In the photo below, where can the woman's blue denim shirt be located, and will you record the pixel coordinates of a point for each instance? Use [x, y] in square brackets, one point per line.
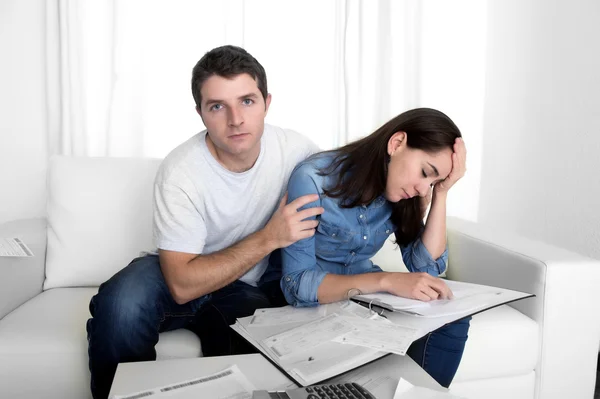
[345, 239]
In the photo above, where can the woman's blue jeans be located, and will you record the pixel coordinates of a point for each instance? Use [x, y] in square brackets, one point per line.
[135, 305]
[439, 352]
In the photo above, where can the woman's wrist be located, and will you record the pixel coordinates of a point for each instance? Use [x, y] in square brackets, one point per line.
[439, 195]
[382, 282]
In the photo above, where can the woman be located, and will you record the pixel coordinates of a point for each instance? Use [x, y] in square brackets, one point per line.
[370, 188]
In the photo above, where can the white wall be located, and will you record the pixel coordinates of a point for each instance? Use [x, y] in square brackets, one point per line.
[22, 121]
[452, 79]
[541, 137]
[541, 126]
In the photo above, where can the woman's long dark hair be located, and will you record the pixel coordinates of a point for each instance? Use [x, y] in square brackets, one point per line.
[362, 165]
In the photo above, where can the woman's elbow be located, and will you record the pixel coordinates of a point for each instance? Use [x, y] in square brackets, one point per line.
[296, 297]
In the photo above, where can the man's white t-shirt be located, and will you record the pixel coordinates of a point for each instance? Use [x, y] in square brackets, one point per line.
[200, 207]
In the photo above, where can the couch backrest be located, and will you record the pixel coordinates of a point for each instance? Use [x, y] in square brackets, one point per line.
[99, 217]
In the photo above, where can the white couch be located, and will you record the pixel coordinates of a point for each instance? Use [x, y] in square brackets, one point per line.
[99, 218]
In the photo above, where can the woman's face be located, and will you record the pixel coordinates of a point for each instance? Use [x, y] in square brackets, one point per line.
[411, 172]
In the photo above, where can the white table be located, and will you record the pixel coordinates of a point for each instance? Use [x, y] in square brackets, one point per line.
[139, 376]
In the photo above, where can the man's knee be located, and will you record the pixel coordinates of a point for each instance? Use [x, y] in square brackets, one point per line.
[127, 300]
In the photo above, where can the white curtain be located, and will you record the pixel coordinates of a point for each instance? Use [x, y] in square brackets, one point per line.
[119, 70]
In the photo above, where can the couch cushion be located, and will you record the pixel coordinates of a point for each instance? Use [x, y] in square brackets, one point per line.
[45, 341]
[502, 342]
[99, 217]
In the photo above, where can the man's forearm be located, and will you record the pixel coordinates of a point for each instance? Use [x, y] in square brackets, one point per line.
[207, 273]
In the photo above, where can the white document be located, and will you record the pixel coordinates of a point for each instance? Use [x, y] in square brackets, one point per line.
[390, 301]
[14, 247]
[312, 353]
[380, 334]
[319, 362]
[230, 383]
[406, 390]
[333, 357]
[308, 336]
[467, 298]
[286, 314]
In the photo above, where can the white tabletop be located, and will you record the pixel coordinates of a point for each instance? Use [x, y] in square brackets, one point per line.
[139, 376]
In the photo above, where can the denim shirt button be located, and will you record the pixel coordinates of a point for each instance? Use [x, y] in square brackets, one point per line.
[361, 216]
[288, 279]
[333, 235]
[387, 231]
[352, 253]
[364, 237]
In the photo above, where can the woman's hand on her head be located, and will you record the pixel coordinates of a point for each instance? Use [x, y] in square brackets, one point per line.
[459, 167]
[421, 286]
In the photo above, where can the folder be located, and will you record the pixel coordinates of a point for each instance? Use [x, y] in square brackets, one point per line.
[314, 348]
[468, 298]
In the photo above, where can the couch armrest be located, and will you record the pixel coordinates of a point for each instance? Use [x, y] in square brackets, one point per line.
[565, 306]
[22, 278]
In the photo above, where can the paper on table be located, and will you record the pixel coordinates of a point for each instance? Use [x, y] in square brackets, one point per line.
[286, 314]
[230, 383]
[318, 363]
[308, 336]
[14, 247]
[380, 334]
[406, 390]
[337, 356]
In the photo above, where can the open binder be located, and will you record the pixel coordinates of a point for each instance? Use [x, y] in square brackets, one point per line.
[313, 345]
[467, 298]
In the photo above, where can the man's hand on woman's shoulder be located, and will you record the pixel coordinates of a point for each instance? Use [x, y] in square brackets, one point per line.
[288, 225]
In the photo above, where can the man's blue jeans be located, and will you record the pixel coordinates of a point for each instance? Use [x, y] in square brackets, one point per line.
[135, 305]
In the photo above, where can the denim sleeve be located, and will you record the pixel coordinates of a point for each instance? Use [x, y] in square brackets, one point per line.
[301, 274]
[418, 259]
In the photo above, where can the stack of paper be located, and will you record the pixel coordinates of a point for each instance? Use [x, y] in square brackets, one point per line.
[326, 341]
[314, 344]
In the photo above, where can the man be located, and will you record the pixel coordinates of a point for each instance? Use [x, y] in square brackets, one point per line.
[219, 211]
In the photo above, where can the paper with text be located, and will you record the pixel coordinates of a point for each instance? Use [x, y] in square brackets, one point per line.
[380, 334]
[14, 247]
[320, 362]
[308, 336]
[286, 314]
[336, 357]
[230, 383]
[467, 298]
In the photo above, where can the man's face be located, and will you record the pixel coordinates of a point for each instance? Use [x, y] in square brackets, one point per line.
[233, 111]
